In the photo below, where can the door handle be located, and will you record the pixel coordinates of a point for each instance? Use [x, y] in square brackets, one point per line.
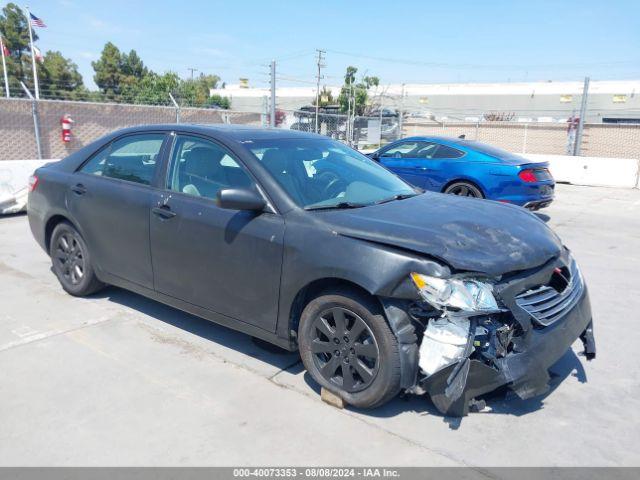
[164, 212]
[79, 189]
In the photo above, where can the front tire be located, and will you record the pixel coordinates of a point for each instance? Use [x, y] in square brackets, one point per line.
[348, 348]
[71, 261]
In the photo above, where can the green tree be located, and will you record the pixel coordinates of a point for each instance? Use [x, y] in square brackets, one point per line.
[196, 92]
[218, 101]
[354, 95]
[325, 98]
[152, 89]
[132, 66]
[15, 34]
[59, 76]
[109, 75]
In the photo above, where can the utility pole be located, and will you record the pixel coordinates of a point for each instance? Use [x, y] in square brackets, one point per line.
[318, 77]
[583, 111]
[192, 70]
[273, 94]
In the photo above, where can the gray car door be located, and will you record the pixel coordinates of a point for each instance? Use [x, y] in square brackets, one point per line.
[110, 197]
[227, 261]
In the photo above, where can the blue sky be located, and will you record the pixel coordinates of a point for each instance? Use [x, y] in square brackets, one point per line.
[399, 41]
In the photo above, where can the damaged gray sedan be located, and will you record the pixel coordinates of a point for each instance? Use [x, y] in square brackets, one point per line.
[301, 241]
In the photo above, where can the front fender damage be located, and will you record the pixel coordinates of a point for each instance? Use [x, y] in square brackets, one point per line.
[401, 325]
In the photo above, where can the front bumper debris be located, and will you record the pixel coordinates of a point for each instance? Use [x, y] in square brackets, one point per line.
[453, 388]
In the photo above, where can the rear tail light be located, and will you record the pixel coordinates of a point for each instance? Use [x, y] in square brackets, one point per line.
[528, 176]
[33, 183]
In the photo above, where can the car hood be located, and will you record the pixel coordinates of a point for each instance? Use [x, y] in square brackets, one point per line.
[468, 234]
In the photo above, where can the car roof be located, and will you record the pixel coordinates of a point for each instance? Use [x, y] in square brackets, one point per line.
[238, 133]
[440, 138]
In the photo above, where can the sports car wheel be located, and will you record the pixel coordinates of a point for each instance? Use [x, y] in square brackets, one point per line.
[464, 189]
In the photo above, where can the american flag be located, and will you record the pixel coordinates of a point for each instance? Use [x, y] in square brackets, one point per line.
[36, 22]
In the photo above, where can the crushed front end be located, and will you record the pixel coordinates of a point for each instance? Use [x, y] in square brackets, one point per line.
[529, 322]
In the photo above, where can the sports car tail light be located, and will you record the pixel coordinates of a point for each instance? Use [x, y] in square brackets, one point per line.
[33, 183]
[528, 176]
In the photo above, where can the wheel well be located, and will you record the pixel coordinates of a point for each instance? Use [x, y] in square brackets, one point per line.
[315, 289]
[51, 224]
[464, 180]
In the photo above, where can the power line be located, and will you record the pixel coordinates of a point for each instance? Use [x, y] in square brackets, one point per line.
[479, 66]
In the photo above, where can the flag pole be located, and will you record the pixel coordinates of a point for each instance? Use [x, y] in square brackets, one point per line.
[33, 57]
[4, 69]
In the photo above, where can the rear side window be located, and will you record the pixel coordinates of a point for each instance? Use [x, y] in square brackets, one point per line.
[447, 152]
[132, 158]
[492, 151]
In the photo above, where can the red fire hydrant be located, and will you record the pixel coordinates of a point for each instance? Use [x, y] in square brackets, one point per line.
[65, 123]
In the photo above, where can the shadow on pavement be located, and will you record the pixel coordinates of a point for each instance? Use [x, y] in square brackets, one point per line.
[213, 332]
[500, 402]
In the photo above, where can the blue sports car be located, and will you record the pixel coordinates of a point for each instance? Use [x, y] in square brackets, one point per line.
[469, 168]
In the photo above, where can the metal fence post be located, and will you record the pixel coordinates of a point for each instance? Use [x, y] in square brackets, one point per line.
[583, 111]
[175, 104]
[272, 113]
[264, 116]
[34, 112]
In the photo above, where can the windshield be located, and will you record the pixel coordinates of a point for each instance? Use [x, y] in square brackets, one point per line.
[322, 173]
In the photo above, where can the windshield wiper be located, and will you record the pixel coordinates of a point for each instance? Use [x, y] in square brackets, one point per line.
[400, 196]
[339, 206]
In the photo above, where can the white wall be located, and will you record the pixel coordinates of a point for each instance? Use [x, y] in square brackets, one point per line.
[594, 171]
[14, 177]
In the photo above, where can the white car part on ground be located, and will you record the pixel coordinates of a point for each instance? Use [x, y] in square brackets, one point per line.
[443, 343]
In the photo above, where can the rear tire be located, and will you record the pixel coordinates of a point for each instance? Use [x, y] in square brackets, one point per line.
[348, 348]
[464, 189]
[71, 261]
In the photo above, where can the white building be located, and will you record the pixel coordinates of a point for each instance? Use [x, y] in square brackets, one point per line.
[608, 101]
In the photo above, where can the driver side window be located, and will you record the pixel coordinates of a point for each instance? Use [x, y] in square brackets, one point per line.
[201, 168]
[424, 150]
[401, 150]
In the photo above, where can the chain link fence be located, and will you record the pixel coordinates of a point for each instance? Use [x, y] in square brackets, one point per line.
[599, 140]
[358, 131]
[19, 122]
[25, 124]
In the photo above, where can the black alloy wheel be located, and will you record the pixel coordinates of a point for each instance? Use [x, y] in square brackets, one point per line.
[344, 349]
[69, 258]
[72, 262]
[464, 189]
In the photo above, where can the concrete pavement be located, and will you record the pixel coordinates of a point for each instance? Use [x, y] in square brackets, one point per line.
[118, 379]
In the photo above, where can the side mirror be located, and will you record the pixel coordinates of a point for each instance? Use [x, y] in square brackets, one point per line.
[374, 156]
[240, 199]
